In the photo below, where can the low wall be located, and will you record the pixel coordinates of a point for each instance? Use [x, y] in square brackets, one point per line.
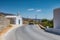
[52, 30]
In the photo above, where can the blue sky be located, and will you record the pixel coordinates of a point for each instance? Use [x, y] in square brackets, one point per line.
[30, 8]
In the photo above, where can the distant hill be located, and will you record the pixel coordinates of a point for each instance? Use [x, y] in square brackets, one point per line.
[31, 19]
[6, 14]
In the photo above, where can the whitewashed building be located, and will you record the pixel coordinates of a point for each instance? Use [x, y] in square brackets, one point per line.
[16, 20]
[57, 18]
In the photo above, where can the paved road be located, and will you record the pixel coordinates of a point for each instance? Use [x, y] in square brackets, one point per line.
[31, 32]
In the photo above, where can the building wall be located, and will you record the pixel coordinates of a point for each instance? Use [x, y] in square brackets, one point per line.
[57, 18]
[12, 20]
[4, 22]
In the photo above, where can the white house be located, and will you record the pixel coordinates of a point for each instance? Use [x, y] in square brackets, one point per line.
[15, 19]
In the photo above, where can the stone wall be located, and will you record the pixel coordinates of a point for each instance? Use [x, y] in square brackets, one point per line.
[3, 22]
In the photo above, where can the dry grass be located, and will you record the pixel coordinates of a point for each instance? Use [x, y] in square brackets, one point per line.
[5, 30]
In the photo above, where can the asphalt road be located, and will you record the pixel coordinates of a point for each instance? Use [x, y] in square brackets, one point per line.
[31, 32]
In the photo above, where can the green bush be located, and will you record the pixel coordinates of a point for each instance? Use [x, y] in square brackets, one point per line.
[46, 23]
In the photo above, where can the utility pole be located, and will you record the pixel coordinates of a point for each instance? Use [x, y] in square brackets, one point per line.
[35, 18]
[18, 13]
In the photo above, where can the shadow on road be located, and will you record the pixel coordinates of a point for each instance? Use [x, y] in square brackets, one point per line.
[52, 32]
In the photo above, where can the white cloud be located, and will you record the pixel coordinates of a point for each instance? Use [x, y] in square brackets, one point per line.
[36, 10]
[39, 10]
[30, 9]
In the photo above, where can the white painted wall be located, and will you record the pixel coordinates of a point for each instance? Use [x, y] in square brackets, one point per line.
[17, 20]
[57, 18]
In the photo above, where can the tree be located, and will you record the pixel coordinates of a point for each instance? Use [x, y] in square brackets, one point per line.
[46, 23]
